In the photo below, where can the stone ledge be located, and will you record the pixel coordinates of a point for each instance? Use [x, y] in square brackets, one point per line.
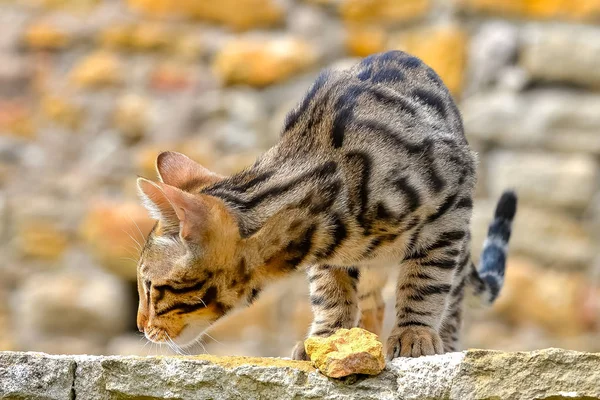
[474, 374]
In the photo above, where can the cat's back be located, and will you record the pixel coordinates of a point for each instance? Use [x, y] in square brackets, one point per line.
[387, 97]
[403, 84]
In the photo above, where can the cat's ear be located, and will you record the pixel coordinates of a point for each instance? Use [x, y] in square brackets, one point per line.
[156, 202]
[178, 170]
[175, 208]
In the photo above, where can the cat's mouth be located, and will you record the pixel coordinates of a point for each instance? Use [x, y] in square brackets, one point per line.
[157, 335]
[184, 337]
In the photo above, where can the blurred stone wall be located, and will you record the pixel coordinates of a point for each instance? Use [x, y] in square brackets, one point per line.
[92, 90]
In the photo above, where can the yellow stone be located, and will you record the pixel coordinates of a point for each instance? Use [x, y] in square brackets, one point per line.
[42, 239]
[115, 233]
[150, 36]
[61, 111]
[131, 116]
[97, 70]
[558, 302]
[385, 11]
[346, 352]
[236, 14]
[118, 36]
[443, 48]
[363, 40]
[262, 62]
[16, 119]
[322, 2]
[542, 9]
[187, 46]
[63, 5]
[145, 159]
[46, 36]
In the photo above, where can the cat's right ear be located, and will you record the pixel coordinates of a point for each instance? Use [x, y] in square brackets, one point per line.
[157, 203]
[178, 170]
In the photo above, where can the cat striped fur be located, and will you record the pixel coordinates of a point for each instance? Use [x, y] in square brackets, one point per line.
[372, 168]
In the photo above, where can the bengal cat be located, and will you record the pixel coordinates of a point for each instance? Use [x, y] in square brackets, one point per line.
[372, 167]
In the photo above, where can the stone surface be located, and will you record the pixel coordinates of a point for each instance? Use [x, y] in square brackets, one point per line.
[15, 75]
[16, 119]
[568, 181]
[171, 76]
[364, 40]
[55, 306]
[565, 54]
[237, 14]
[550, 236]
[46, 36]
[476, 374]
[62, 111]
[492, 51]
[36, 376]
[147, 83]
[131, 116]
[42, 239]
[262, 62]
[443, 48]
[98, 70]
[555, 301]
[552, 118]
[383, 11]
[561, 9]
[6, 326]
[550, 373]
[346, 352]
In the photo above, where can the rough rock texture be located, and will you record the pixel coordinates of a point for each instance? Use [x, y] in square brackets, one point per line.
[389, 11]
[553, 237]
[443, 48]
[477, 374]
[347, 352]
[563, 54]
[248, 13]
[35, 376]
[262, 62]
[92, 90]
[581, 9]
[541, 118]
[572, 179]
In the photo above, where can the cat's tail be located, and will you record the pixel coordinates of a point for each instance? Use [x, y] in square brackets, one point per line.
[487, 280]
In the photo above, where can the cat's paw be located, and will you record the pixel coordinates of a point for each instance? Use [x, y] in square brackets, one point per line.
[414, 341]
[299, 352]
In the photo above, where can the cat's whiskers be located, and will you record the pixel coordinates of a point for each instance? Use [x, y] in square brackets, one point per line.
[178, 349]
[138, 245]
[209, 335]
[139, 230]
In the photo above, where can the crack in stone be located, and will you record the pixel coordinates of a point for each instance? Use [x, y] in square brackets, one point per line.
[73, 393]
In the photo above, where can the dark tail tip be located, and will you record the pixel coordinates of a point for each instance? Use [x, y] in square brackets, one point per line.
[507, 206]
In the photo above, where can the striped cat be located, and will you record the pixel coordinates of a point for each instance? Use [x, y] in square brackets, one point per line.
[372, 167]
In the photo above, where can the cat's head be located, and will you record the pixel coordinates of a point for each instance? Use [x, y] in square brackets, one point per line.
[192, 269]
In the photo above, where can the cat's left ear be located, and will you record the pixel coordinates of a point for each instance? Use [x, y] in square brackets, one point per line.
[180, 171]
[178, 211]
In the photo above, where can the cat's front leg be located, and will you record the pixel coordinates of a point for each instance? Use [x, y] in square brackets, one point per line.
[334, 301]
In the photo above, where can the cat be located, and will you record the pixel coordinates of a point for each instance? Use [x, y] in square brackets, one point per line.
[372, 168]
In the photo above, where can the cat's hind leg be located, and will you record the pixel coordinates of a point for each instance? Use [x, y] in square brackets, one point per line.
[425, 283]
[370, 298]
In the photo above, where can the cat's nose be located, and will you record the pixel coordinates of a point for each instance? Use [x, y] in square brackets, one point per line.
[142, 320]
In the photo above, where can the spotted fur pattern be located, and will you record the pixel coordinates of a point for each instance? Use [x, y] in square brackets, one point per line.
[372, 167]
